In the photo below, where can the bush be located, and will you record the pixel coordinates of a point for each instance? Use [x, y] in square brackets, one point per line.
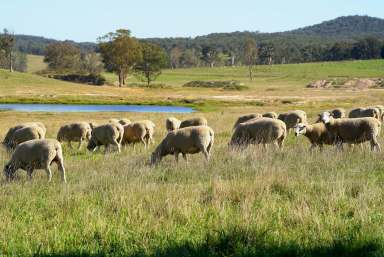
[226, 85]
[91, 79]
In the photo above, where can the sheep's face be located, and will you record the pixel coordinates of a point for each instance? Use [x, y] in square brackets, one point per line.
[325, 117]
[91, 145]
[9, 171]
[300, 129]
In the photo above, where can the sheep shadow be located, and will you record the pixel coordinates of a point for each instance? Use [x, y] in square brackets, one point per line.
[239, 244]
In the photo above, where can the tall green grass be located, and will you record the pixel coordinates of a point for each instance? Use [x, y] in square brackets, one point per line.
[251, 203]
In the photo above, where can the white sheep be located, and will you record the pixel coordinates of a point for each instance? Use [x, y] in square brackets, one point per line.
[137, 132]
[23, 125]
[260, 131]
[36, 154]
[189, 140]
[364, 112]
[106, 135]
[353, 131]
[77, 132]
[247, 117]
[316, 133]
[292, 118]
[24, 134]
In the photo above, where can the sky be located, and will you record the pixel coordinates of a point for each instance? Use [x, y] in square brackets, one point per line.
[86, 20]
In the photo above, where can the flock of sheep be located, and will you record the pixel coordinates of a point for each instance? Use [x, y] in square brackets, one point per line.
[32, 151]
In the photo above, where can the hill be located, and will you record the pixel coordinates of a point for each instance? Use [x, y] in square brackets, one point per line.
[349, 28]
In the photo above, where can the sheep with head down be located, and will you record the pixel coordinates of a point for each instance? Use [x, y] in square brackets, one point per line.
[189, 140]
[36, 154]
[353, 130]
[259, 131]
[23, 125]
[138, 132]
[271, 115]
[364, 112]
[24, 134]
[75, 132]
[292, 118]
[247, 117]
[106, 135]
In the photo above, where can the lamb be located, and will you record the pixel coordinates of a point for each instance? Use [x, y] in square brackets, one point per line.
[316, 133]
[260, 131]
[271, 115]
[108, 134]
[77, 132]
[172, 123]
[36, 154]
[190, 140]
[292, 118]
[246, 118]
[364, 112]
[137, 132]
[23, 125]
[353, 131]
[24, 134]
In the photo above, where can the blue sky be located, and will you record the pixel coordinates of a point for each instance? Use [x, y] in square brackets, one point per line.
[85, 20]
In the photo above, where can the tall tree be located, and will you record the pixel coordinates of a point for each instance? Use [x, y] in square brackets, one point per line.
[250, 55]
[209, 55]
[154, 59]
[7, 43]
[120, 53]
[175, 56]
[62, 57]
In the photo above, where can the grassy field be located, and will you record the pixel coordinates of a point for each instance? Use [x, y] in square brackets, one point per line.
[35, 63]
[273, 86]
[252, 203]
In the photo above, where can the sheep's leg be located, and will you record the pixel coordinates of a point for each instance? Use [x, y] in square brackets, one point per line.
[106, 148]
[49, 173]
[145, 142]
[185, 157]
[60, 165]
[280, 143]
[29, 173]
[312, 148]
[81, 141]
[375, 145]
[70, 144]
[339, 146]
[321, 147]
[176, 156]
[117, 145]
[209, 147]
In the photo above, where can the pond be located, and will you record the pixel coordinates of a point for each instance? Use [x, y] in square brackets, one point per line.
[93, 108]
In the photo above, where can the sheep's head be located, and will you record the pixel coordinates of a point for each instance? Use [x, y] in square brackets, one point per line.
[9, 171]
[326, 117]
[91, 145]
[300, 129]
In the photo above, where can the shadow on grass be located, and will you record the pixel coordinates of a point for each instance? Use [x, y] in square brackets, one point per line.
[242, 244]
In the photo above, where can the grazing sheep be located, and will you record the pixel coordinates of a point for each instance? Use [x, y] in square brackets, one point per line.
[193, 122]
[172, 123]
[23, 125]
[190, 140]
[150, 127]
[106, 135]
[381, 111]
[36, 154]
[337, 113]
[25, 134]
[120, 121]
[260, 131]
[353, 131]
[271, 115]
[77, 132]
[246, 118]
[364, 112]
[317, 134]
[137, 132]
[292, 118]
